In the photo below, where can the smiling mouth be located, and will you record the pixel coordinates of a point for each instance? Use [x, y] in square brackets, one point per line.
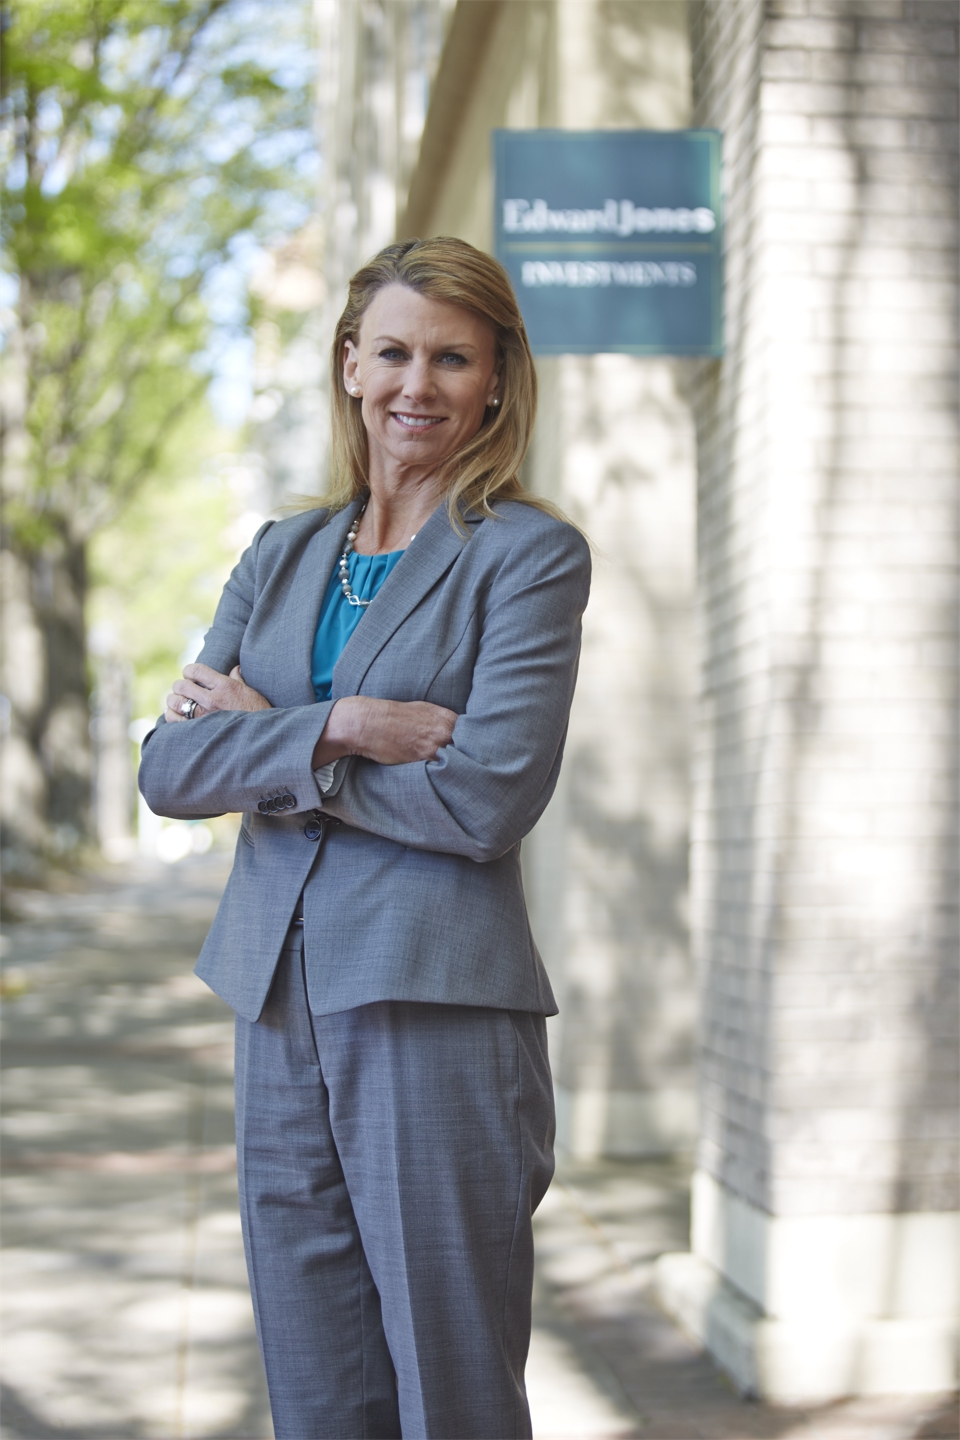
[417, 422]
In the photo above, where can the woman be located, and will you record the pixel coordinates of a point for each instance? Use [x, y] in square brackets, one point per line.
[394, 1104]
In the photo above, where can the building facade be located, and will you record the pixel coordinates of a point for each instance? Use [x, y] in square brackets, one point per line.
[824, 860]
[606, 869]
[769, 674]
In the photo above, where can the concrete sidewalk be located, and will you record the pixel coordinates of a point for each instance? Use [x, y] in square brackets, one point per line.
[126, 1306]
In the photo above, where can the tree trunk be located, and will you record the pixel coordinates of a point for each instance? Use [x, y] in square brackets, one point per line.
[113, 788]
[46, 765]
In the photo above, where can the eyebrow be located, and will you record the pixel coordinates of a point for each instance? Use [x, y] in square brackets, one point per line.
[392, 340]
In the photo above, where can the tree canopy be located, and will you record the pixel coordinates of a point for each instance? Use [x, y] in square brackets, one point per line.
[153, 143]
[151, 149]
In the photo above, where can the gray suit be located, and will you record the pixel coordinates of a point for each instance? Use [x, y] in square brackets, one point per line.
[394, 1103]
[418, 895]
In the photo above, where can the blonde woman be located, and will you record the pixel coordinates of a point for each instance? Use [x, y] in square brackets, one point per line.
[384, 694]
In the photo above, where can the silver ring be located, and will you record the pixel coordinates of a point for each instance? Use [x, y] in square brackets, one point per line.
[188, 709]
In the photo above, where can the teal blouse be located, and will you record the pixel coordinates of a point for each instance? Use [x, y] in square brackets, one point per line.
[339, 619]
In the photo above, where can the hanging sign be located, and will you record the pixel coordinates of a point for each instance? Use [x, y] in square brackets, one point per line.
[612, 238]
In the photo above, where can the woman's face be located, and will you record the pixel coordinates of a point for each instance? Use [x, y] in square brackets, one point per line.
[426, 371]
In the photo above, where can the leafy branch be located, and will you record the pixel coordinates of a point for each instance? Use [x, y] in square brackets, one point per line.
[150, 138]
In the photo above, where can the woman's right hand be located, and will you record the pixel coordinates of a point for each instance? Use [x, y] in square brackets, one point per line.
[392, 732]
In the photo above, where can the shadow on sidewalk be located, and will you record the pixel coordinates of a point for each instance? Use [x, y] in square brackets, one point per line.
[598, 1233]
[127, 1308]
[127, 1312]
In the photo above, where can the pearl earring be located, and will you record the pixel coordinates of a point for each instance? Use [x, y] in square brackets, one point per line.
[495, 403]
[355, 390]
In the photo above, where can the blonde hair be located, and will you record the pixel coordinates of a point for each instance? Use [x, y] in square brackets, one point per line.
[486, 467]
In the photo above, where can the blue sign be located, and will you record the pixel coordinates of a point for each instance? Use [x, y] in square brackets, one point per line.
[612, 238]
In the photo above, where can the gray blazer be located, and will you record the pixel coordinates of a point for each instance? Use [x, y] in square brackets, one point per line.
[417, 895]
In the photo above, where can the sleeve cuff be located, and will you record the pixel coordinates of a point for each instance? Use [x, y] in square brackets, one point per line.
[324, 776]
[330, 777]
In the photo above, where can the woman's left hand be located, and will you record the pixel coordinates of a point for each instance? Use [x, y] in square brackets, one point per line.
[212, 691]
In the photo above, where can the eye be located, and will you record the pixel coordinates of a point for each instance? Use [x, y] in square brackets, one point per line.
[392, 352]
[453, 358]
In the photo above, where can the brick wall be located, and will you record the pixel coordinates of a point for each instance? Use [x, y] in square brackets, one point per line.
[824, 849]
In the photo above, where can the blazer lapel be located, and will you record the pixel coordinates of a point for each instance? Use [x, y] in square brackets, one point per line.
[428, 557]
[305, 598]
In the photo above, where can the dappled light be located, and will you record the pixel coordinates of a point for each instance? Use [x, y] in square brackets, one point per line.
[743, 887]
[127, 1309]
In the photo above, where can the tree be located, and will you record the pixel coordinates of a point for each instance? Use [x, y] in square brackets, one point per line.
[153, 146]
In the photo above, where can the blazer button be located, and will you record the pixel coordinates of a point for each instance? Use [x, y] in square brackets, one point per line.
[263, 807]
[289, 801]
[313, 829]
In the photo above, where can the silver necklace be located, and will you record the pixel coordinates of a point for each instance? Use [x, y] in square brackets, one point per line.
[345, 585]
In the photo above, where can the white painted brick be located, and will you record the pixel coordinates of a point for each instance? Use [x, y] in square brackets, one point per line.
[926, 327]
[911, 165]
[932, 135]
[873, 69]
[870, 9]
[788, 259]
[787, 195]
[939, 72]
[942, 457]
[808, 162]
[832, 67]
[941, 12]
[804, 98]
[908, 100]
[784, 9]
[935, 264]
[896, 294]
[864, 387]
[931, 199]
[821, 1196]
[912, 39]
[893, 197]
[924, 392]
[883, 261]
[869, 1159]
[842, 196]
[810, 34]
[787, 65]
[929, 232]
[791, 130]
[813, 228]
[877, 132]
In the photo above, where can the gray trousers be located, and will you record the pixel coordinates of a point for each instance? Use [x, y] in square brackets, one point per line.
[390, 1160]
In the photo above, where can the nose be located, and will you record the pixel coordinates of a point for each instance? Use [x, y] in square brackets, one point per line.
[418, 381]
